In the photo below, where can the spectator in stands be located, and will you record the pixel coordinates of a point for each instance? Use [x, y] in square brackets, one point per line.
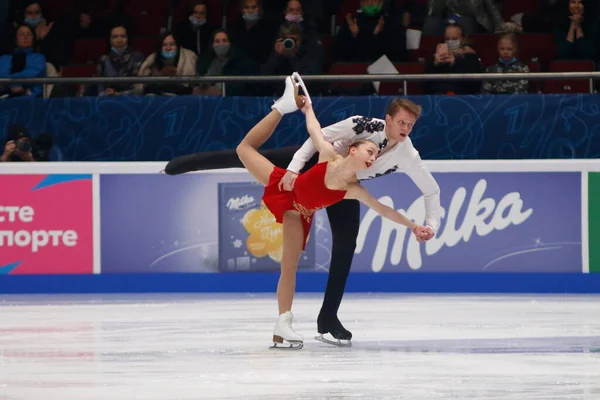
[52, 38]
[254, 33]
[475, 16]
[291, 53]
[121, 60]
[507, 63]
[294, 12]
[225, 59]
[170, 59]
[576, 35]
[20, 146]
[370, 34]
[195, 33]
[453, 57]
[24, 62]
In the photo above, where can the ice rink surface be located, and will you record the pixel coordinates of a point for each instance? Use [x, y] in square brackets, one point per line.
[217, 347]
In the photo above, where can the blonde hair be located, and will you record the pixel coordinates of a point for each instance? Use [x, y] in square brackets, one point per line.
[405, 104]
[514, 39]
[358, 143]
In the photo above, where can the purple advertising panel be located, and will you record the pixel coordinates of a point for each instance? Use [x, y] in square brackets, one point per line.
[214, 222]
[492, 222]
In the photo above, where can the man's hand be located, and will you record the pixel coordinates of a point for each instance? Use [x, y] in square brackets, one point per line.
[10, 147]
[288, 180]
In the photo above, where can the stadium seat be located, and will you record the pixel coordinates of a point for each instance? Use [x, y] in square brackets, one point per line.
[569, 85]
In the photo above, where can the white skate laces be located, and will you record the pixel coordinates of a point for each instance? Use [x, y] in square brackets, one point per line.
[284, 335]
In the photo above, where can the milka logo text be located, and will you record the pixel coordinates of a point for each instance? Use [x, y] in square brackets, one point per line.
[508, 211]
[240, 203]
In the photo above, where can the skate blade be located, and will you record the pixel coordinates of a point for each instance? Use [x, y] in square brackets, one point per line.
[287, 346]
[281, 343]
[299, 82]
[336, 342]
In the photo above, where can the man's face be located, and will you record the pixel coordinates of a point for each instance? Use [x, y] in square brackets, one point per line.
[399, 125]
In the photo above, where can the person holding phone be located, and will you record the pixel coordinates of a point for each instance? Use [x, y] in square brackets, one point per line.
[453, 56]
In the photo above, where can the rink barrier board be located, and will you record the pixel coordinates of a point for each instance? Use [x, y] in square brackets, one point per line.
[476, 283]
[359, 282]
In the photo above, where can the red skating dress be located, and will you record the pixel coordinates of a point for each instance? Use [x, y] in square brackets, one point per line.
[308, 196]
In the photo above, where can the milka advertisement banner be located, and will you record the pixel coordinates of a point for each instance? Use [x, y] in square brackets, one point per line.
[46, 224]
[214, 222]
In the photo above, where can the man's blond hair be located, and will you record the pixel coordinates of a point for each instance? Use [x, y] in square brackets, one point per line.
[405, 104]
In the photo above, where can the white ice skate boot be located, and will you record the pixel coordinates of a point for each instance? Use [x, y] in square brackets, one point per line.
[284, 336]
[300, 84]
[287, 103]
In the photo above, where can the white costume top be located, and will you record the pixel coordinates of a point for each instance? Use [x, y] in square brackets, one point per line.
[402, 157]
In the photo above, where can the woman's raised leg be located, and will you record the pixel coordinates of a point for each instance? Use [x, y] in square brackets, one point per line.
[253, 161]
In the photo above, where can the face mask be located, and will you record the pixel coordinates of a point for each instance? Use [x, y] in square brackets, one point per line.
[33, 22]
[371, 10]
[197, 21]
[119, 52]
[251, 17]
[453, 44]
[169, 54]
[221, 50]
[294, 18]
[507, 62]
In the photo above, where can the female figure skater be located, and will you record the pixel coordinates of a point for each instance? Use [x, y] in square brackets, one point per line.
[331, 180]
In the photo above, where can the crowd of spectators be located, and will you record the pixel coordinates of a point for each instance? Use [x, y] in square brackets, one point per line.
[278, 37]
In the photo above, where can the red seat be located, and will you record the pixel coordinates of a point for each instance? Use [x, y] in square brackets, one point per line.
[397, 88]
[149, 17]
[570, 85]
[348, 69]
[539, 46]
[78, 70]
[88, 51]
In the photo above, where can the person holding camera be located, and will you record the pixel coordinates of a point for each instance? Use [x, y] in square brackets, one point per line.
[18, 147]
[293, 53]
[21, 147]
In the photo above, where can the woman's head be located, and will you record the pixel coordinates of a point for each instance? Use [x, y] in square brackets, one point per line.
[251, 10]
[25, 37]
[576, 7]
[508, 47]
[221, 43]
[198, 13]
[168, 47]
[32, 14]
[118, 38]
[293, 11]
[454, 36]
[362, 154]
